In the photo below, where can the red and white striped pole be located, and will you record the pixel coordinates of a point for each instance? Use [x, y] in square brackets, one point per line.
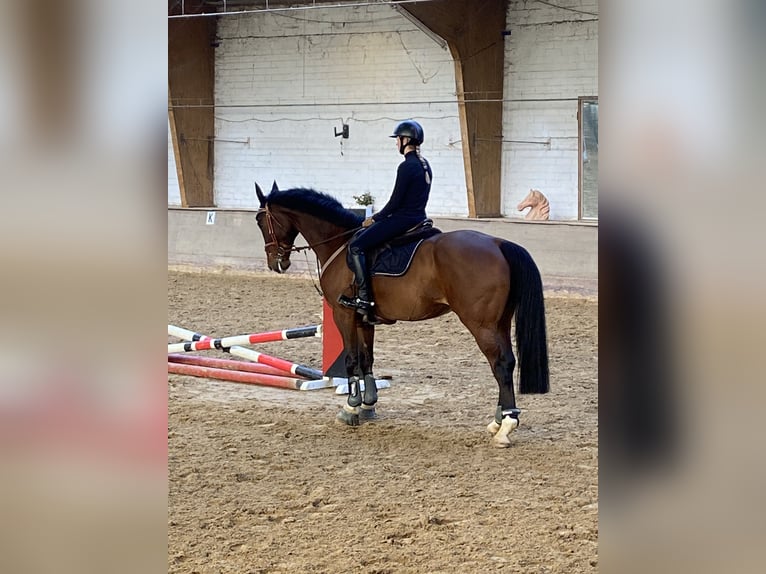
[199, 341]
[216, 363]
[203, 343]
[235, 376]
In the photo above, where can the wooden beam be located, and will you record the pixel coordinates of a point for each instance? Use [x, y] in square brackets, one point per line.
[474, 33]
[191, 106]
[176, 151]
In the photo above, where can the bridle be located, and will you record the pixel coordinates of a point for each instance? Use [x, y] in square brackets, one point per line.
[282, 248]
[286, 249]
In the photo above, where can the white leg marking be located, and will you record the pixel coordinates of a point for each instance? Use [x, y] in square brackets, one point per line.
[350, 409]
[493, 427]
[501, 439]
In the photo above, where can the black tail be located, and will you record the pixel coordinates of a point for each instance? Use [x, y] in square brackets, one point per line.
[526, 297]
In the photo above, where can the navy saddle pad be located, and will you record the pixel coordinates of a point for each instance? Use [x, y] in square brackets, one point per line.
[393, 258]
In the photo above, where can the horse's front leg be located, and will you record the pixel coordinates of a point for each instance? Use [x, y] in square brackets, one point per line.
[346, 321]
[366, 339]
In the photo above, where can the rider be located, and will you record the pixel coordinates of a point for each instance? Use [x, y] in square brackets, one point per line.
[404, 210]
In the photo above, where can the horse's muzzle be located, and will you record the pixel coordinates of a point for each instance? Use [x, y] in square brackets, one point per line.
[280, 265]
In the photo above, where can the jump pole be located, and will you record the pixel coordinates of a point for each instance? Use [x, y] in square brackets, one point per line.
[204, 343]
[235, 376]
[333, 372]
[293, 368]
[216, 363]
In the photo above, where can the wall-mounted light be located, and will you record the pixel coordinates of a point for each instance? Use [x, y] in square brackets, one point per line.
[343, 132]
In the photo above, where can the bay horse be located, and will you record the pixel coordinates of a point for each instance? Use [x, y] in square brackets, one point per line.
[484, 280]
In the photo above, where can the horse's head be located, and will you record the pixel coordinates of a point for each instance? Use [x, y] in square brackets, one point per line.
[278, 231]
[533, 198]
[539, 204]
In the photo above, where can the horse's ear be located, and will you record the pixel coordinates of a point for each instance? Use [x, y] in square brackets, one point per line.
[274, 186]
[259, 193]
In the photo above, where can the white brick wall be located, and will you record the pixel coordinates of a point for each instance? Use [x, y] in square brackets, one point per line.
[285, 82]
[547, 57]
[309, 73]
[174, 191]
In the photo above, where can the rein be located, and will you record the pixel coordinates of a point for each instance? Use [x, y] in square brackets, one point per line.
[283, 250]
[347, 232]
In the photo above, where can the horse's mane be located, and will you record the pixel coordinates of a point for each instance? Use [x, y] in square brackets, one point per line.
[317, 204]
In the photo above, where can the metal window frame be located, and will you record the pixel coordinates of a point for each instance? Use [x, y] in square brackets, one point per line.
[580, 101]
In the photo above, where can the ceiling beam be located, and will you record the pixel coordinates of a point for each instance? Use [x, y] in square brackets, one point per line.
[474, 32]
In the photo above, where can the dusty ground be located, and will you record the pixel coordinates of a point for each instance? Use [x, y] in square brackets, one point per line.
[263, 480]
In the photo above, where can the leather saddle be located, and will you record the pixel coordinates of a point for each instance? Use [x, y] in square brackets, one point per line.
[394, 257]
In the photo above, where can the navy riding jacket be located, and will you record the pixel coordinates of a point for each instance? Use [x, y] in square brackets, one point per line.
[405, 208]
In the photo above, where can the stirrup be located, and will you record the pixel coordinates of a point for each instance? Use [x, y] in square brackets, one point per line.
[364, 308]
[355, 303]
[347, 301]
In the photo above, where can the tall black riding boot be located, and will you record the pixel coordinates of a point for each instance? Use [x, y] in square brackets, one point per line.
[364, 302]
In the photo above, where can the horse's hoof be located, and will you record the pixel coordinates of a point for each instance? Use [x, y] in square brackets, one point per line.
[367, 413]
[493, 427]
[501, 441]
[508, 425]
[348, 418]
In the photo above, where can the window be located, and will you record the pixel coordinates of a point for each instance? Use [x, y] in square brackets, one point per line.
[588, 146]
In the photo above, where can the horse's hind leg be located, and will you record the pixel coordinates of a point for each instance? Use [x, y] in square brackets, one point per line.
[506, 414]
[495, 343]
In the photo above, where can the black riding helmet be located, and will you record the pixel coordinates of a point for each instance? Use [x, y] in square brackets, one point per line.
[410, 129]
